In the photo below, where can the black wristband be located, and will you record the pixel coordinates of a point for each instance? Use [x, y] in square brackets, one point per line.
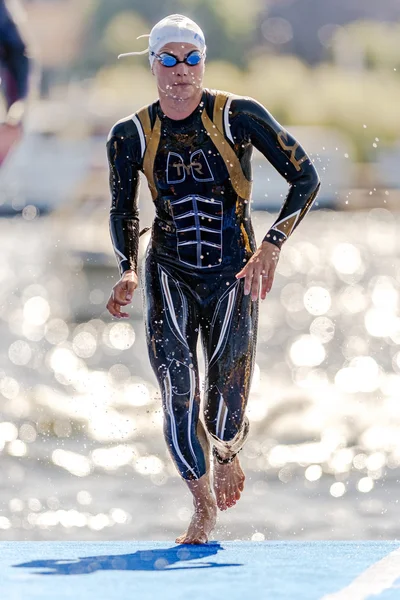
[275, 237]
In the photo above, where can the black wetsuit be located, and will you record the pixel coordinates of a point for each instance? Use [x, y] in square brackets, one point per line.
[199, 174]
[14, 66]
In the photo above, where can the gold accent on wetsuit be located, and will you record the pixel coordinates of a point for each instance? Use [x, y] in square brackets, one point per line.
[219, 104]
[240, 184]
[152, 141]
[281, 139]
[287, 225]
[246, 238]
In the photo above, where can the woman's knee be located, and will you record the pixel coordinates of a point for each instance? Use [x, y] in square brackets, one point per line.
[224, 426]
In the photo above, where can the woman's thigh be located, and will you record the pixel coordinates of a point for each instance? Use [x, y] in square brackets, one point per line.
[229, 330]
[170, 314]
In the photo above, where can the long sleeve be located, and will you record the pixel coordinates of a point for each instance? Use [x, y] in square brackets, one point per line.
[255, 125]
[124, 188]
[15, 62]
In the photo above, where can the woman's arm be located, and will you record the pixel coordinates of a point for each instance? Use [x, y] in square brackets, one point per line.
[253, 123]
[124, 187]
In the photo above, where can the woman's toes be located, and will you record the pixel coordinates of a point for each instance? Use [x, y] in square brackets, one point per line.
[231, 500]
[221, 501]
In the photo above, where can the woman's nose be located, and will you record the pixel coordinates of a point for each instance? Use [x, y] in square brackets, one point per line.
[182, 69]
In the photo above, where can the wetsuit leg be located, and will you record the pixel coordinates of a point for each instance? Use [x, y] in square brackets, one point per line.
[229, 333]
[172, 325]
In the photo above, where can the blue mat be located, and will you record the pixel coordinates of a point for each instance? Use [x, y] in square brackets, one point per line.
[218, 570]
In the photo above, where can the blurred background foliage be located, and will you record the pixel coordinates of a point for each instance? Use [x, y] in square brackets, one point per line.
[254, 48]
[310, 62]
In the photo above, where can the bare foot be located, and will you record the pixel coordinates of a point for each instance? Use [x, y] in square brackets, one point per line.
[228, 483]
[201, 525]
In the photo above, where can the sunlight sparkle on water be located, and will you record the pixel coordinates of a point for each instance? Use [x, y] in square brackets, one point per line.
[375, 461]
[313, 472]
[56, 331]
[317, 300]
[341, 460]
[346, 258]
[8, 432]
[36, 310]
[307, 351]
[136, 394]
[84, 497]
[17, 448]
[362, 375]
[111, 426]
[292, 297]
[9, 387]
[5, 523]
[352, 299]
[120, 516]
[63, 360]
[16, 505]
[365, 484]
[77, 464]
[381, 437]
[337, 489]
[381, 322]
[384, 293]
[113, 458]
[119, 335]
[149, 465]
[20, 353]
[323, 329]
[84, 344]
[257, 407]
[100, 521]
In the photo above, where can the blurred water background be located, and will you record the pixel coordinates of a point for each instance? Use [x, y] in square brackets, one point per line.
[81, 446]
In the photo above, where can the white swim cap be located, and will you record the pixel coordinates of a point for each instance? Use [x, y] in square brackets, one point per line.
[174, 28]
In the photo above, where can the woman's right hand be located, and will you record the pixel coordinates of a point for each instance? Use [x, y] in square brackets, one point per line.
[122, 293]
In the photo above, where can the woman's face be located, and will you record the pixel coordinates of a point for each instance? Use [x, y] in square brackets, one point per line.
[182, 81]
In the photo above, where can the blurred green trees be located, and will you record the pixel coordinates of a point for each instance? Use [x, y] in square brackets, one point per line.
[356, 88]
[230, 25]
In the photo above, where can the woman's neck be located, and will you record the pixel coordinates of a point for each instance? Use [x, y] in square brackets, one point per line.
[178, 109]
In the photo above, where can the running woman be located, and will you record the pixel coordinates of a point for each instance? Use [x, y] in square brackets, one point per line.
[202, 269]
[14, 73]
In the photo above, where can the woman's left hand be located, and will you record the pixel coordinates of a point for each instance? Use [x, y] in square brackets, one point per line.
[261, 264]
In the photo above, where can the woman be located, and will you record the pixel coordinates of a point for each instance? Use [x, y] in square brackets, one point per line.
[202, 269]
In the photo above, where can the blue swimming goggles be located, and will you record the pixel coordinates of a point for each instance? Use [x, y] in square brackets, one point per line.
[169, 60]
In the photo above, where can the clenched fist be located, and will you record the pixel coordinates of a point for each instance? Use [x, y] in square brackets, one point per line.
[122, 293]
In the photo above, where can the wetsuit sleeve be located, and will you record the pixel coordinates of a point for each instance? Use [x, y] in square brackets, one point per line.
[122, 150]
[15, 67]
[251, 122]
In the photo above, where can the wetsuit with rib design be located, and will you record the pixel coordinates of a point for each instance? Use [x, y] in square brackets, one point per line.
[199, 173]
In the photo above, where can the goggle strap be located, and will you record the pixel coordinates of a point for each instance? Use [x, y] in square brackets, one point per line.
[133, 53]
[136, 53]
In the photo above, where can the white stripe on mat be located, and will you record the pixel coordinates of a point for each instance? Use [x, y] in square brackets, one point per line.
[372, 582]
